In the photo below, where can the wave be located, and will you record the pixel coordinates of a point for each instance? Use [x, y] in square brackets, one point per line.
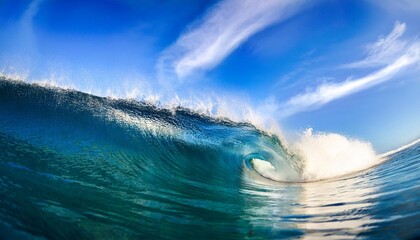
[312, 157]
[74, 165]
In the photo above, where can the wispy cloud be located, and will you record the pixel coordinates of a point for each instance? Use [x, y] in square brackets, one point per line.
[20, 46]
[383, 51]
[221, 31]
[30, 12]
[25, 22]
[395, 54]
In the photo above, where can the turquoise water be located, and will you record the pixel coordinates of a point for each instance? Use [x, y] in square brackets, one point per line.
[76, 166]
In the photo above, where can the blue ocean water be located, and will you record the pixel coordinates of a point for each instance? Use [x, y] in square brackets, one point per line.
[77, 166]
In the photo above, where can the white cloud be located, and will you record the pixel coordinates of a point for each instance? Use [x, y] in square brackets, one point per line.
[395, 54]
[221, 31]
[384, 50]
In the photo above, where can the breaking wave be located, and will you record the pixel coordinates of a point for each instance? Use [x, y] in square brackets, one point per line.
[98, 166]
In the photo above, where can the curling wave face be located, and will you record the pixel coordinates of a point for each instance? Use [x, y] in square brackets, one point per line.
[76, 165]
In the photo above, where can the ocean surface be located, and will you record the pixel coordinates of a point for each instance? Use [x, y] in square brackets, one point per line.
[77, 166]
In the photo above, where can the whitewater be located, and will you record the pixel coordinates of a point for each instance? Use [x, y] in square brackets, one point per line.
[75, 165]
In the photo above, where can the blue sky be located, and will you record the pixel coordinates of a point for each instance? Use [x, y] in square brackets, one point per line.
[350, 67]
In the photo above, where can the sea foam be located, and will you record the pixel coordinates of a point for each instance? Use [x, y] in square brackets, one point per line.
[327, 155]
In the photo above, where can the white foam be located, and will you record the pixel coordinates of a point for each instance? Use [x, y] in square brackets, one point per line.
[323, 156]
[269, 171]
[327, 155]
[264, 168]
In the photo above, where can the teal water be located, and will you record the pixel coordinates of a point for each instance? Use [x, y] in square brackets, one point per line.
[77, 166]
